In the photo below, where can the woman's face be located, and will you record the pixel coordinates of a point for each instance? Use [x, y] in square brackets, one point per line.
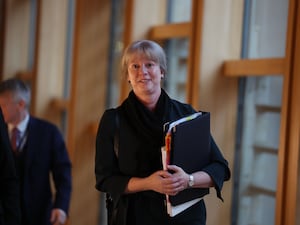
[144, 76]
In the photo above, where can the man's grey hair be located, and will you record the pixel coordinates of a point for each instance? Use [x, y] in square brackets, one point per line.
[18, 88]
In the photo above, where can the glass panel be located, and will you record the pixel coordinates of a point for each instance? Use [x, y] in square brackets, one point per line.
[175, 80]
[268, 26]
[259, 150]
[116, 49]
[179, 11]
[68, 59]
[177, 51]
[259, 124]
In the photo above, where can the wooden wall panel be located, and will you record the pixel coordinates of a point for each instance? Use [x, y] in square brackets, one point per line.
[288, 179]
[259, 67]
[16, 37]
[87, 103]
[155, 12]
[194, 55]
[50, 58]
[221, 39]
[167, 31]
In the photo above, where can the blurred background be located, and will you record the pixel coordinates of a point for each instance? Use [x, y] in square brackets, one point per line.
[238, 59]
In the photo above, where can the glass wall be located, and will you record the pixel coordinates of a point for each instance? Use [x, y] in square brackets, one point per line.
[115, 53]
[265, 27]
[177, 51]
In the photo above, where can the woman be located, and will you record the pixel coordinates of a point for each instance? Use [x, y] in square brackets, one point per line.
[134, 177]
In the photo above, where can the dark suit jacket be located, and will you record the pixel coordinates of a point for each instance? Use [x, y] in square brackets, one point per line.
[9, 189]
[45, 152]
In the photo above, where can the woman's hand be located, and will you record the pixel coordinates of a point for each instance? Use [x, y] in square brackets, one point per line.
[180, 178]
[160, 181]
[169, 182]
[201, 178]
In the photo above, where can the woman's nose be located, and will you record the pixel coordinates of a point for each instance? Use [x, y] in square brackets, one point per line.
[143, 69]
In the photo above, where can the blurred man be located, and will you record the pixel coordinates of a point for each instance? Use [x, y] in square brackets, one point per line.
[40, 153]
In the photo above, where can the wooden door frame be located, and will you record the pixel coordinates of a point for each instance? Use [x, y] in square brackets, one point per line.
[288, 176]
[195, 50]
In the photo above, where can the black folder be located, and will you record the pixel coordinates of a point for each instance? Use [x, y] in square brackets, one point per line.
[190, 150]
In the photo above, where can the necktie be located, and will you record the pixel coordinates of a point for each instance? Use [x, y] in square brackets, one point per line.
[15, 138]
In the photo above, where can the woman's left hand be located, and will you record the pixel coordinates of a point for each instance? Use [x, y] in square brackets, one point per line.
[180, 178]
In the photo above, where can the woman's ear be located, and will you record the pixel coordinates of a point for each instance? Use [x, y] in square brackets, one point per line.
[127, 78]
[162, 74]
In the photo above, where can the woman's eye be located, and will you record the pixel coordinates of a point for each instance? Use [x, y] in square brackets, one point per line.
[134, 66]
[149, 65]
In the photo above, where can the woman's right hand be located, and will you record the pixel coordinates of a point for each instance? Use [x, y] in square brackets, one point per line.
[165, 183]
[160, 181]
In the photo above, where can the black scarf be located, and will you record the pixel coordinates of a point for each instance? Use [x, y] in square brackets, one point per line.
[148, 123]
[148, 127]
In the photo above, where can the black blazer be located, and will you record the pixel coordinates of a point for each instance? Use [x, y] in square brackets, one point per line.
[45, 154]
[9, 189]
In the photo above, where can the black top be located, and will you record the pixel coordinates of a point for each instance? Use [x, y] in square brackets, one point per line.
[140, 139]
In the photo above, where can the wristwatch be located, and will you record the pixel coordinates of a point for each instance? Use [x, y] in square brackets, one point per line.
[191, 181]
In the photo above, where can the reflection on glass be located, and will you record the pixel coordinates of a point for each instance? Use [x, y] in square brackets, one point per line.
[176, 77]
[116, 48]
[259, 150]
[179, 11]
[268, 27]
[255, 192]
[177, 51]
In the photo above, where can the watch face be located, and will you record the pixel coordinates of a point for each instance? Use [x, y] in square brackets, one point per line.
[191, 180]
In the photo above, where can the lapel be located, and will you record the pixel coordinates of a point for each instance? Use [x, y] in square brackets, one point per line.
[30, 143]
